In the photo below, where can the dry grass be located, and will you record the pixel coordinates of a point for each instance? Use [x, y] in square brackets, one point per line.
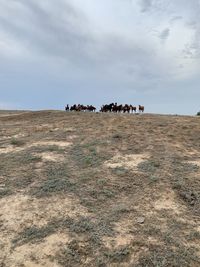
[82, 189]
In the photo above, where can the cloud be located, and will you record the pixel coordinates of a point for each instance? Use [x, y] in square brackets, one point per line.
[113, 47]
[164, 34]
[38, 28]
[145, 5]
[174, 19]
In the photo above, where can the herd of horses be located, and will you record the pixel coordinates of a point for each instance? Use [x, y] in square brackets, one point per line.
[113, 107]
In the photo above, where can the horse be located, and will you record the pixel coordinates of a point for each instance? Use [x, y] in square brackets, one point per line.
[75, 107]
[107, 108]
[67, 108]
[141, 108]
[126, 108]
[133, 108]
[91, 108]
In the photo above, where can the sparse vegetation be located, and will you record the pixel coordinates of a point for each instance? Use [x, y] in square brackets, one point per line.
[119, 255]
[33, 234]
[5, 192]
[140, 213]
[166, 256]
[17, 142]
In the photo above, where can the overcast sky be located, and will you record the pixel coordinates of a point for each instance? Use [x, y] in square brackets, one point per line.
[100, 51]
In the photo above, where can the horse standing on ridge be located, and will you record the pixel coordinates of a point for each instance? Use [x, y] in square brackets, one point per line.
[67, 108]
[141, 108]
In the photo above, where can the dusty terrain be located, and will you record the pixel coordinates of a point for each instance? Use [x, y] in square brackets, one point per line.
[83, 189]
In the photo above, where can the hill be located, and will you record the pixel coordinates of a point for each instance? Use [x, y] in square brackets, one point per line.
[93, 189]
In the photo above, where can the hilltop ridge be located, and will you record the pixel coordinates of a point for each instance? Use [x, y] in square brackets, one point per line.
[95, 189]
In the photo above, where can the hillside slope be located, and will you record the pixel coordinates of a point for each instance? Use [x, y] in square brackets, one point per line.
[86, 189]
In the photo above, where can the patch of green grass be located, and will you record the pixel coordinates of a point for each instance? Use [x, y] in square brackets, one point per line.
[120, 171]
[86, 155]
[194, 236]
[180, 167]
[118, 255]
[101, 182]
[153, 179]
[47, 148]
[17, 142]
[27, 158]
[167, 256]
[35, 234]
[73, 254]
[4, 192]
[52, 186]
[107, 192]
[149, 166]
[55, 179]
[101, 194]
[22, 182]
[118, 212]
[83, 225]
[187, 190]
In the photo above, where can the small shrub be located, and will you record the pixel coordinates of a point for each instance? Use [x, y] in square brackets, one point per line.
[118, 255]
[153, 179]
[5, 192]
[194, 235]
[149, 166]
[34, 234]
[198, 113]
[16, 142]
[54, 186]
[83, 225]
[72, 254]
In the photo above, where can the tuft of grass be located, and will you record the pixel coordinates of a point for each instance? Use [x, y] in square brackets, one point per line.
[119, 255]
[149, 166]
[73, 254]
[167, 256]
[117, 136]
[29, 158]
[86, 155]
[4, 192]
[16, 142]
[194, 236]
[83, 225]
[101, 182]
[56, 185]
[120, 171]
[153, 179]
[34, 234]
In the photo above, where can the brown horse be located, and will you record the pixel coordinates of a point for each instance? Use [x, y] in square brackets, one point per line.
[141, 108]
[133, 108]
[126, 108]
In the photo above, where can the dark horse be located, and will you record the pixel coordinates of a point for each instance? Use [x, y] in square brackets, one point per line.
[141, 108]
[133, 108]
[67, 108]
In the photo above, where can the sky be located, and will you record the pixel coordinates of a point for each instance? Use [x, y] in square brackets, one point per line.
[54, 53]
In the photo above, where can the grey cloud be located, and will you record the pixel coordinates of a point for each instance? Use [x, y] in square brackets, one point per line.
[164, 34]
[68, 37]
[45, 32]
[192, 50]
[67, 50]
[175, 19]
[145, 5]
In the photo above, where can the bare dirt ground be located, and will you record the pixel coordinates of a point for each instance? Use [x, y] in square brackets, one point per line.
[83, 189]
